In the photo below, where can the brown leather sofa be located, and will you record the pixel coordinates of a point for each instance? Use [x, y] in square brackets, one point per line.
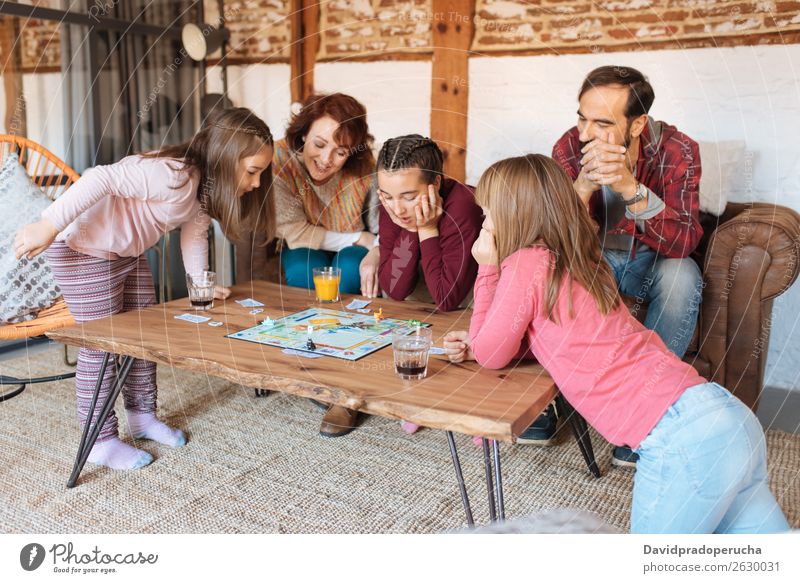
[749, 256]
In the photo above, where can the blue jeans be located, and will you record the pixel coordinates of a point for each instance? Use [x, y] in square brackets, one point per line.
[703, 469]
[298, 265]
[673, 288]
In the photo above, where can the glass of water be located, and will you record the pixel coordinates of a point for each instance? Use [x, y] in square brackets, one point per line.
[411, 352]
[201, 289]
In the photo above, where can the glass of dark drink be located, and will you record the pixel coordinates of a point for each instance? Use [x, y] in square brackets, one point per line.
[411, 350]
[201, 289]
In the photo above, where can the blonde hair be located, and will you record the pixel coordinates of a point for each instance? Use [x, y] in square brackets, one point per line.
[532, 202]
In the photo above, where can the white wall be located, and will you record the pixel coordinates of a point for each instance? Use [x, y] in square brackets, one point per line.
[262, 88]
[397, 94]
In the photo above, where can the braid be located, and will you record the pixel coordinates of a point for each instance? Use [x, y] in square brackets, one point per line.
[412, 151]
[262, 133]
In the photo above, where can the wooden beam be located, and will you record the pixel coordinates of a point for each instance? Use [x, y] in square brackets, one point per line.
[310, 46]
[304, 24]
[11, 51]
[452, 36]
[296, 49]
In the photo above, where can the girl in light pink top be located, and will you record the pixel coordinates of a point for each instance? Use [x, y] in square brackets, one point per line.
[544, 289]
[96, 232]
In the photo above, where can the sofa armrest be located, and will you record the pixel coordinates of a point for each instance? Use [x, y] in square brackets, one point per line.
[750, 259]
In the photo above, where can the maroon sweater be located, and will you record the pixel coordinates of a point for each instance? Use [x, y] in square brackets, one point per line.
[447, 263]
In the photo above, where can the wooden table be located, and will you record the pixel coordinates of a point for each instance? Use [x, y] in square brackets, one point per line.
[466, 398]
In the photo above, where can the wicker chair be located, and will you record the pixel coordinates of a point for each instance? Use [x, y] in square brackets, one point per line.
[53, 176]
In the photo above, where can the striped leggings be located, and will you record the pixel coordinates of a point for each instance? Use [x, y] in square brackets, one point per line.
[95, 288]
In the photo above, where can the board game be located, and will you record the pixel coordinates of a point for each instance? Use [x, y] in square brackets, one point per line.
[345, 335]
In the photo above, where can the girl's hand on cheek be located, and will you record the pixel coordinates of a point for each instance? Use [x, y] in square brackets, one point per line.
[484, 250]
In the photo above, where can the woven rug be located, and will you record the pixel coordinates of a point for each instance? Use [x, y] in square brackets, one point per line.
[257, 465]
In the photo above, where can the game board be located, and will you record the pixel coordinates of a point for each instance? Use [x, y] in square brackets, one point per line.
[345, 335]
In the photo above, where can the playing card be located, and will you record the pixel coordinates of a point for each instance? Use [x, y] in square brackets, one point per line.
[358, 304]
[194, 319]
[249, 303]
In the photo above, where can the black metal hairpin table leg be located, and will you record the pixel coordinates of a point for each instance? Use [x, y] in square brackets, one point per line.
[494, 480]
[501, 504]
[487, 467]
[13, 392]
[88, 438]
[460, 478]
[580, 430]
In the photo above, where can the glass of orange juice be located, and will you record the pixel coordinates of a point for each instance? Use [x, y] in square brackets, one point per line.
[326, 283]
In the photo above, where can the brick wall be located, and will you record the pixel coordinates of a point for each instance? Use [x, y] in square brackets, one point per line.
[581, 26]
[39, 40]
[365, 28]
[41, 45]
[259, 28]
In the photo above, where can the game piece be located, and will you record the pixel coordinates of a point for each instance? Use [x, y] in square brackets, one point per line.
[268, 322]
[378, 316]
[309, 342]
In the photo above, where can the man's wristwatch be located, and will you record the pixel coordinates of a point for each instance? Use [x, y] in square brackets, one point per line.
[641, 194]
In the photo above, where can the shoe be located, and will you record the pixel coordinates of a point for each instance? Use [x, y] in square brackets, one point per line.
[624, 457]
[543, 430]
[338, 421]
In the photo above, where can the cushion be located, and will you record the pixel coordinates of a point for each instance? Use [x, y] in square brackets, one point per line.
[722, 165]
[28, 285]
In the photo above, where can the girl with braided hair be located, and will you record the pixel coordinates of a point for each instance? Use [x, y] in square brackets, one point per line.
[96, 232]
[428, 225]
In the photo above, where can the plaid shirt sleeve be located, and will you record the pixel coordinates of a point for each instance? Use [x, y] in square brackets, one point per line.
[676, 231]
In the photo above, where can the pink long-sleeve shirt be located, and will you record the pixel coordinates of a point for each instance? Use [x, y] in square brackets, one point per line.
[615, 372]
[122, 209]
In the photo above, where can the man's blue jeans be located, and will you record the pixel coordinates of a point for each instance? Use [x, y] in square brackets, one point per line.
[703, 469]
[673, 288]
